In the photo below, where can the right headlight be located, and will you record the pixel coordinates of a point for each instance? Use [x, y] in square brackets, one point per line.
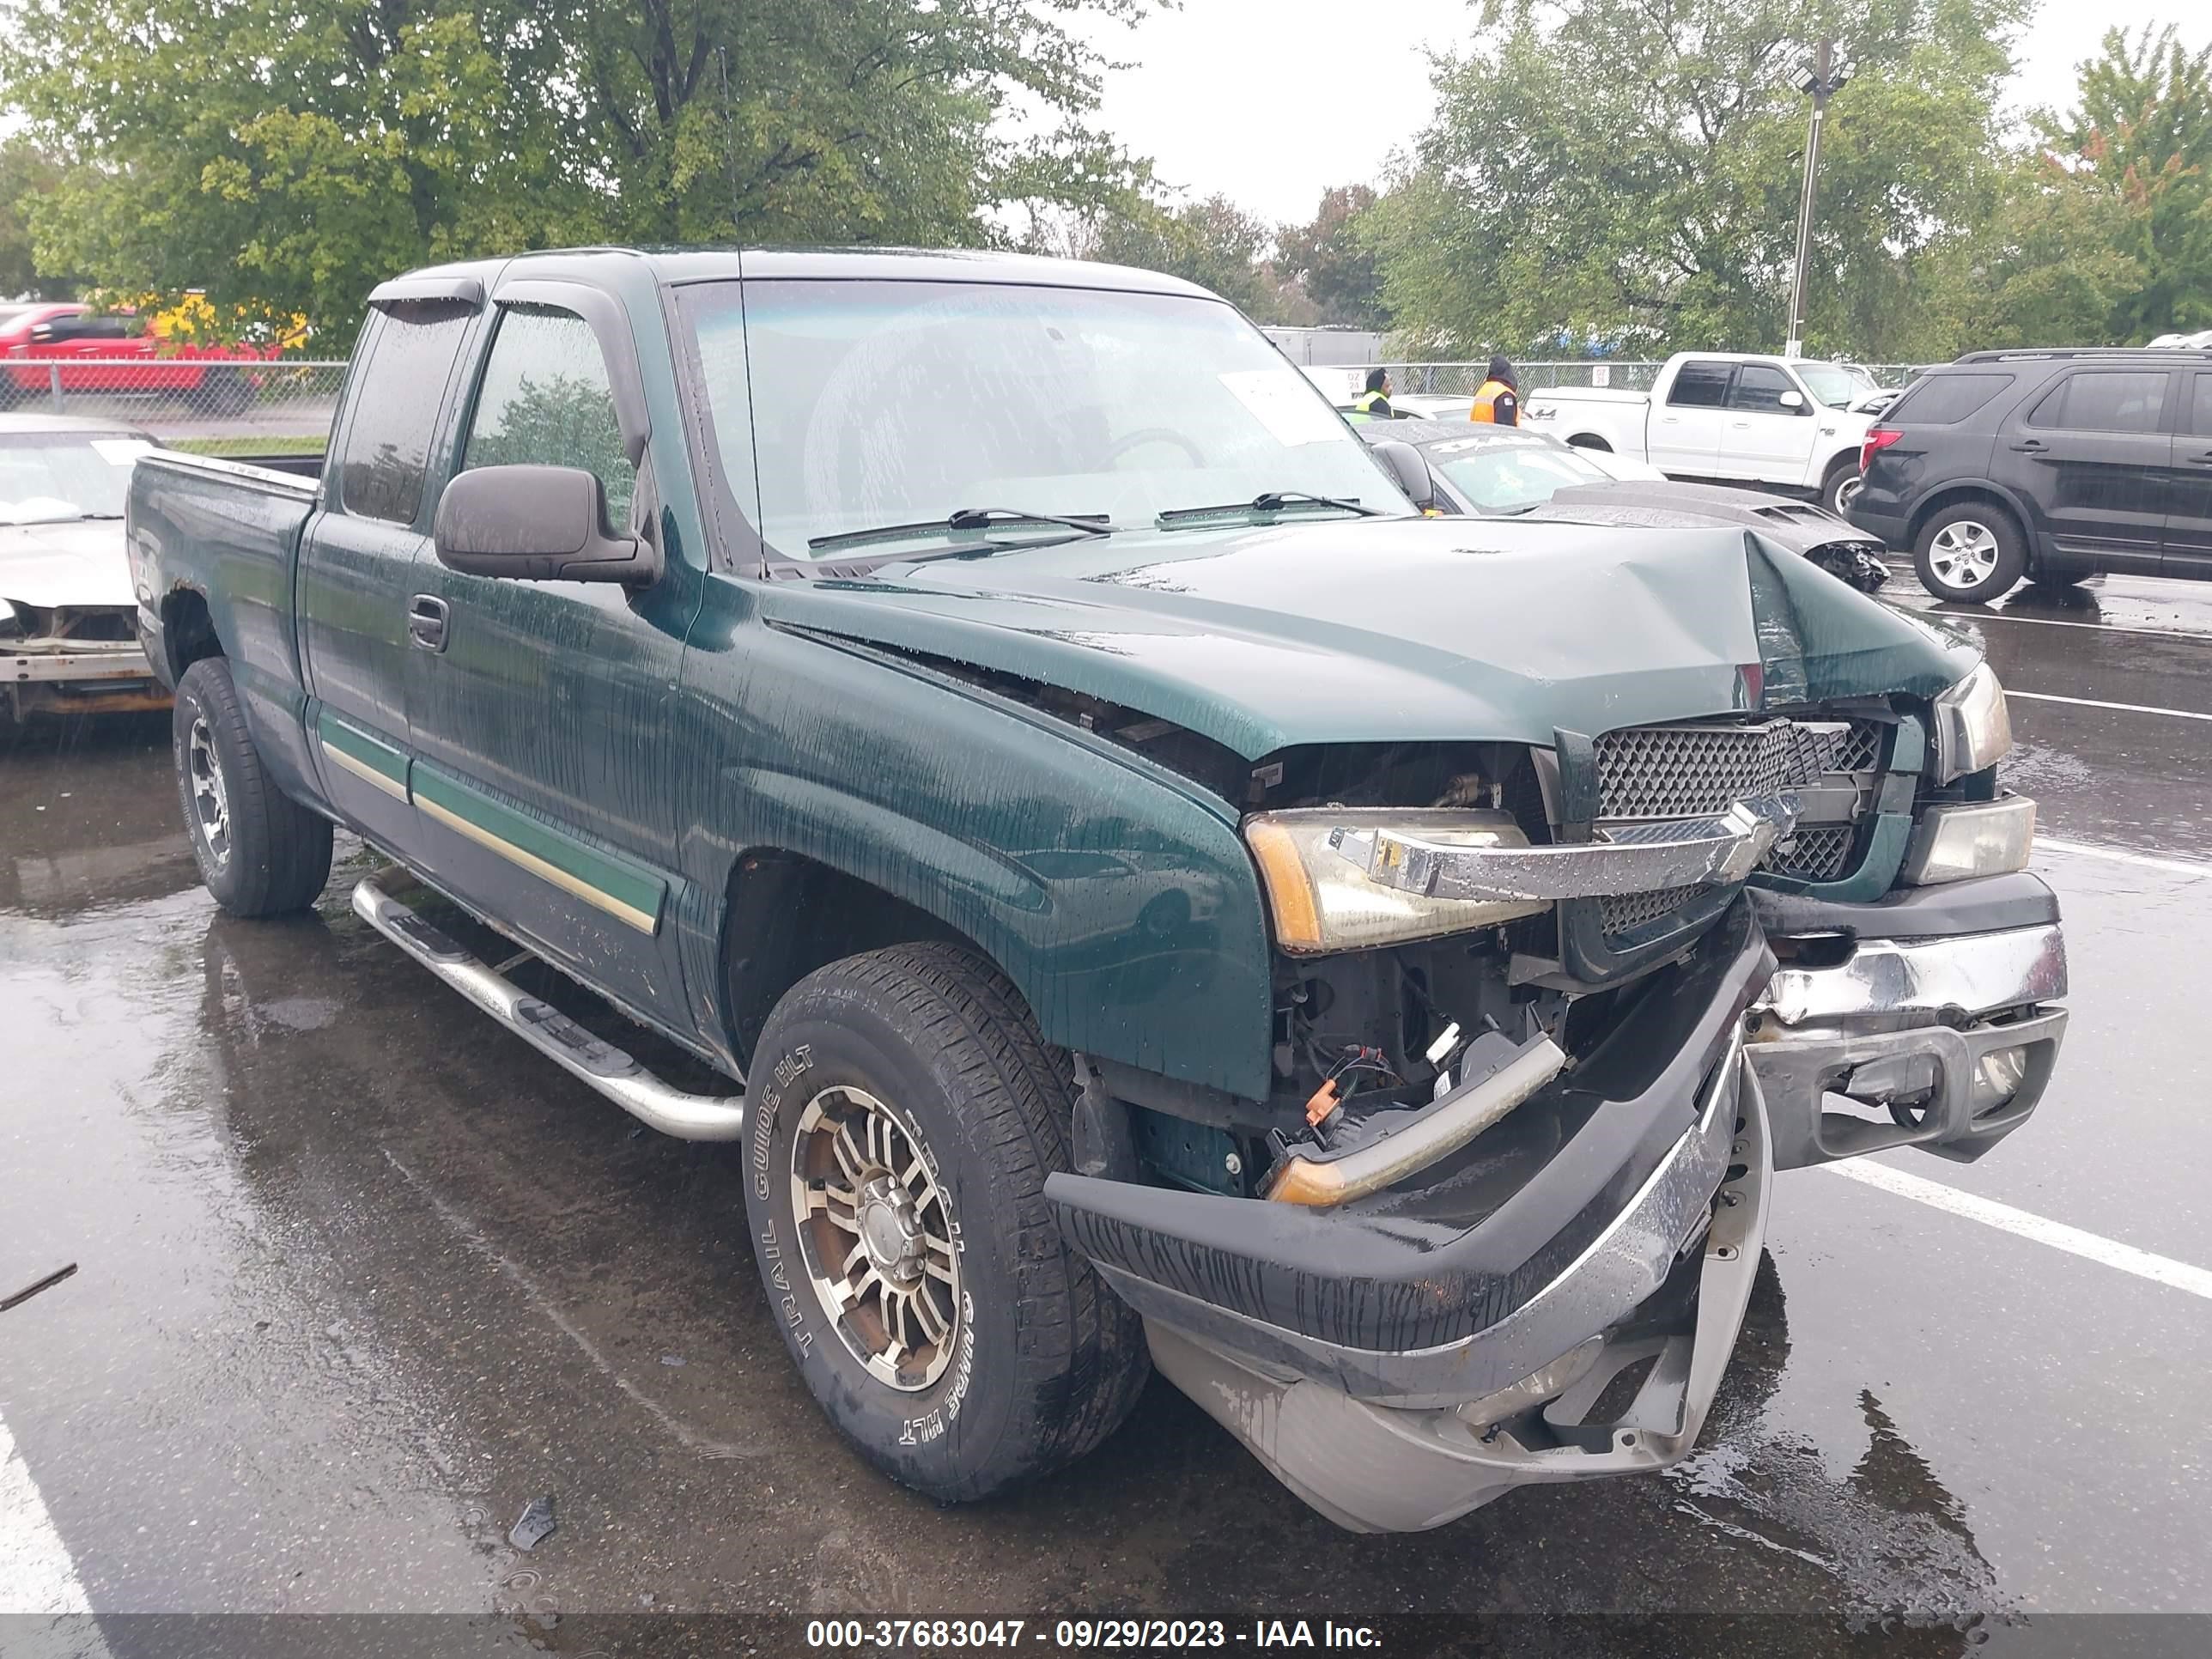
[1973, 729]
[1323, 901]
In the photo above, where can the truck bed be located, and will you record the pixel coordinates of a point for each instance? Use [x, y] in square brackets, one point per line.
[213, 542]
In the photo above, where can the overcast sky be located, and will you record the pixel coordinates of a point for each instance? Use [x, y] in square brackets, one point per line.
[1272, 102]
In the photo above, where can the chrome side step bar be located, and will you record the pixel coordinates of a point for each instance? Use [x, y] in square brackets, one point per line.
[614, 1073]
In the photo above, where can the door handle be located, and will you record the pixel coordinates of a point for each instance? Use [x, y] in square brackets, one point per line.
[426, 621]
[2030, 446]
[2203, 458]
[1741, 426]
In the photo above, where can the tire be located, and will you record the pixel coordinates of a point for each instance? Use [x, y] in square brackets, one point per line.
[1973, 553]
[223, 392]
[1841, 486]
[260, 853]
[1023, 1360]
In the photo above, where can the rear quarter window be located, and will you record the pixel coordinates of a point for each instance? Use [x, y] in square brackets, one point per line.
[1947, 399]
[395, 413]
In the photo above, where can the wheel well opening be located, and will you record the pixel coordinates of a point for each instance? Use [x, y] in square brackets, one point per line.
[188, 631]
[1951, 498]
[789, 915]
[1589, 441]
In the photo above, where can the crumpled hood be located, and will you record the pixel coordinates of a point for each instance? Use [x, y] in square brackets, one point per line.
[80, 562]
[1798, 526]
[1404, 630]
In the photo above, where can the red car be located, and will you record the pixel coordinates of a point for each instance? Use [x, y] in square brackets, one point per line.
[113, 353]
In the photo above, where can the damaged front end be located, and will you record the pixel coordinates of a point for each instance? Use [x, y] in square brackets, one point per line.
[1541, 1039]
[73, 659]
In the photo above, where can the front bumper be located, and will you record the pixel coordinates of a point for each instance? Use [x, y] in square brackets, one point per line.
[1668, 1283]
[84, 676]
[1396, 1375]
[1942, 1041]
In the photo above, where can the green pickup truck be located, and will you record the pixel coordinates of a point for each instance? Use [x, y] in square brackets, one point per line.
[1157, 899]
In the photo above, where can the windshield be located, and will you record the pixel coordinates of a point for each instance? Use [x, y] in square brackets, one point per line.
[1837, 385]
[46, 477]
[882, 404]
[1500, 477]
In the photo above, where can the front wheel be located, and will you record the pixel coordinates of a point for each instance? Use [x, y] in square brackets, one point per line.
[904, 1116]
[1973, 553]
[260, 853]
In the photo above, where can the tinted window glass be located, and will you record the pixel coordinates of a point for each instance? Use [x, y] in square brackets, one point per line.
[1759, 389]
[1701, 386]
[2200, 406]
[546, 399]
[2106, 400]
[387, 439]
[1942, 400]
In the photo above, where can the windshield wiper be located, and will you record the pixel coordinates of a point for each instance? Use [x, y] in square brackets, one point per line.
[964, 520]
[1269, 500]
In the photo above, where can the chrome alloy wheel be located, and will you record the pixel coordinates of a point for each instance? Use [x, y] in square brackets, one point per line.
[876, 1234]
[210, 800]
[1963, 554]
[1846, 492]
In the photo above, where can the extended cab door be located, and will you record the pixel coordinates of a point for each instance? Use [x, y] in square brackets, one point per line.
[538, 709]
[2095, 455]
[1768, 436]
[1683, 434]
[2189, 515]
[358, 554]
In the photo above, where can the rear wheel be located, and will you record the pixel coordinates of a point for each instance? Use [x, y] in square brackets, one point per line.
[1973, 552]
[1841, 487]
[904, 1116]
[260, 853]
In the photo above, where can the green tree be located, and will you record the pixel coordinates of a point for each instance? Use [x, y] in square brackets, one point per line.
[293, 157]
[26, 174]
[2133, 160]
[1652, 202]
[1332, 263]
[1212, 242]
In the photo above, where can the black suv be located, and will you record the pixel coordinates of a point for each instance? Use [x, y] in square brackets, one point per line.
[2052, 465]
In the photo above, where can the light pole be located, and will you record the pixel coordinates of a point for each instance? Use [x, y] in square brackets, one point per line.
[1821, 80]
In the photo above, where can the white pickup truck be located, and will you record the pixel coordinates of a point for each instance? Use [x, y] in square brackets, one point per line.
[1783, 423]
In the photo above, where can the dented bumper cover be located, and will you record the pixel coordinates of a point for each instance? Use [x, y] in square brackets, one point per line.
[1396, 1372]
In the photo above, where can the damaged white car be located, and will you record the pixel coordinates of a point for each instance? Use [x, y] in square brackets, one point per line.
[68, 639]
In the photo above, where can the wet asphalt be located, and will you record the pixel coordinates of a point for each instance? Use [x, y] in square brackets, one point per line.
[359, 1276]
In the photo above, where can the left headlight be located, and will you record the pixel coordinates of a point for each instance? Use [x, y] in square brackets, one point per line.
[1973, 729]
[1323, 901]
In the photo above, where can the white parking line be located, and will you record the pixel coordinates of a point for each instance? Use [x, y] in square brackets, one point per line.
[2125, 707]
[37, 1576]
[2159, 1269]
[2053, 621]
[2195, 870]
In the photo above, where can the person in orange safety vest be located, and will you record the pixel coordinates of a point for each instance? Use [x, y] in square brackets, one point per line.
[1498, 400]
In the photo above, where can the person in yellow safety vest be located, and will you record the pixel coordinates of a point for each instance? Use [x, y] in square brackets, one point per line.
[1374, 403]
[1498, 399]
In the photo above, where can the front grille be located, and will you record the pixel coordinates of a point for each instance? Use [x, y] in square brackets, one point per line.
[1650, 775]
[1821, 852]
[1696, 771]
[1862, 750]
[1625, 913]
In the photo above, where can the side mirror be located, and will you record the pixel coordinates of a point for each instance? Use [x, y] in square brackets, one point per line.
[1410, 468]
[1792, 401]
[536, 523]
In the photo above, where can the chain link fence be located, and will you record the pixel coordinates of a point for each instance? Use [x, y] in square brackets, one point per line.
[216, 406]
[1461, 380]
